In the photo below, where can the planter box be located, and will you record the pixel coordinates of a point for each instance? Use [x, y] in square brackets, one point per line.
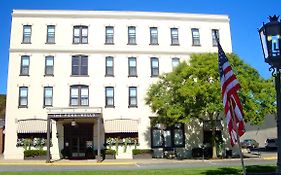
[143, 156]
[36, 158]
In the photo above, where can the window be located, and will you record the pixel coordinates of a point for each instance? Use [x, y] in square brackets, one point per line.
[156, 138]
[153, 36]
[175, 62]
[79, 65]
[109, 71]
[109, 35]
[24, 69]
[132, 62]
[178, 135]
[49, 65]
[154, 67]
[168, 137]
[174, 36]
[109, 97]
[50, 34]
[79, 95]
[215, 32]
[132, 35]
[48, 96]
[26, 34]
[80, 34]
[195, 37]
[133, 97]
[167, 134]
[23, 96]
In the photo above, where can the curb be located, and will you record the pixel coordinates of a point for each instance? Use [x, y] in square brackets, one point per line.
[269, 158]
[64, 163]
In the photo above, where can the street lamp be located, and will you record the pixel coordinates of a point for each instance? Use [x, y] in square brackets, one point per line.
[270, 36]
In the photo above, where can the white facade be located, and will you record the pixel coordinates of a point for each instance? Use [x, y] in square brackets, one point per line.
[96, 50]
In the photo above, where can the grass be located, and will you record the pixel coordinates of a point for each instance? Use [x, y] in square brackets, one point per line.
[181, 171]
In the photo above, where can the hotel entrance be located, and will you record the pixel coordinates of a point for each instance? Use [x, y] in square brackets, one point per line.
[78, 141]
[79, 126]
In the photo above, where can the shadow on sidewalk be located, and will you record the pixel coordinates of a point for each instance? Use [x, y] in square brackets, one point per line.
[250, 170]
[223, 171]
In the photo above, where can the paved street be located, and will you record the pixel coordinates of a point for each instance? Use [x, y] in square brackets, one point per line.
[125, 164]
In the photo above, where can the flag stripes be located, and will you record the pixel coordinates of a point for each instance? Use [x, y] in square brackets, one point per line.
[232, 106]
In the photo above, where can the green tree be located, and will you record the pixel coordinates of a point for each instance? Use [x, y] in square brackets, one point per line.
[193, 90]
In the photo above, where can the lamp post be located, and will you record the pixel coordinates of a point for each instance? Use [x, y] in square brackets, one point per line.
[270, 36]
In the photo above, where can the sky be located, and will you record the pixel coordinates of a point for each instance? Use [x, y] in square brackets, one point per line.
[245, 17]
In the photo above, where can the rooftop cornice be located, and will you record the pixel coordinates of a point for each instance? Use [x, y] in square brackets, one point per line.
[118, 15]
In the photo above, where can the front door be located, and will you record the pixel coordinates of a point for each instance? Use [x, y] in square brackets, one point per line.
[77, 147]
[77, 139]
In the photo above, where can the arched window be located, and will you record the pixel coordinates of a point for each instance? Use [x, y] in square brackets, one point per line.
[79, 65]
[79, 95]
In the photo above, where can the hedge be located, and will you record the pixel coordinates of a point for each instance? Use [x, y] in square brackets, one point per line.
[33, 153]
[141, 151]
[110, 152]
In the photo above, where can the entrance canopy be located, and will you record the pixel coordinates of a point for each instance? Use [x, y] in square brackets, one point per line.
[32, 126]
[74, 113]
[121, 126]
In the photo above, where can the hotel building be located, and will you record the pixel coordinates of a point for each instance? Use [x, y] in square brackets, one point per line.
[80, 78]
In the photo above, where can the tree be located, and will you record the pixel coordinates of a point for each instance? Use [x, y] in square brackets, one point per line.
[2, 105]
[193, 90]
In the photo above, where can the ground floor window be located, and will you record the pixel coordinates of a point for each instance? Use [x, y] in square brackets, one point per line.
[167, 137]
[32, 139]
[113, 139]
[32, 133]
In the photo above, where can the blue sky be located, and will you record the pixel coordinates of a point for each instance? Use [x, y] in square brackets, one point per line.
[245, 17]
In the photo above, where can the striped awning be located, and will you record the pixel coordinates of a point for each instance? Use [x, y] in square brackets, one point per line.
[121, 126]
[32, 126]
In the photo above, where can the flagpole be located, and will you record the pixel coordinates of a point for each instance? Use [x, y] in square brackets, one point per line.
[238, 137]
[233, 118]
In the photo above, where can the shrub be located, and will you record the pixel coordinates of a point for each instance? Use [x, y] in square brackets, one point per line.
[110, 152]
[33, 153]
[141, 151]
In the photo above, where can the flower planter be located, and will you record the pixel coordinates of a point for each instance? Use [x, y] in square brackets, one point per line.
[110, 156]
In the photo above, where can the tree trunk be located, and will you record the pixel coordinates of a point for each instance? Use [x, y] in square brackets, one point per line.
[214, 144]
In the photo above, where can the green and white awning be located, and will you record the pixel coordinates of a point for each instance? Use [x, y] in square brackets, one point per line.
[121, 126]
[32, 126]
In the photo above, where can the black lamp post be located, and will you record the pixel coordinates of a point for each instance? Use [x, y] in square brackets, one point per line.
[270, 36]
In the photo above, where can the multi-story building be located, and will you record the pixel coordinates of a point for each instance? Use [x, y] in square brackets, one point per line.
[82, 76]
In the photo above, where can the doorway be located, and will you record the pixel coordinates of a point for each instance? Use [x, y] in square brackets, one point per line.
[78, 141]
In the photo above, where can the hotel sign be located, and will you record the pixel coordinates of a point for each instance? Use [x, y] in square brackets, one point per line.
[74, 113]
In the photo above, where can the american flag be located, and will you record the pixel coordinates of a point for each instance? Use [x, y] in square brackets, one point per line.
[232, 106]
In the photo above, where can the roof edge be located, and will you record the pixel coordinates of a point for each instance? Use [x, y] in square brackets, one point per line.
[118, 14]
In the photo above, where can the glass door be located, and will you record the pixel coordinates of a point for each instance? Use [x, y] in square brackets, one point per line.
[77, 139]
[78, 147]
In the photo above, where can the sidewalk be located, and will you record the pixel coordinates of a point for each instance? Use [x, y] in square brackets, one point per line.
[119, 162]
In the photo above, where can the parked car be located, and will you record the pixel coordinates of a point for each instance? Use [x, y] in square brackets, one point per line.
[249, 143]
[271, 143]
